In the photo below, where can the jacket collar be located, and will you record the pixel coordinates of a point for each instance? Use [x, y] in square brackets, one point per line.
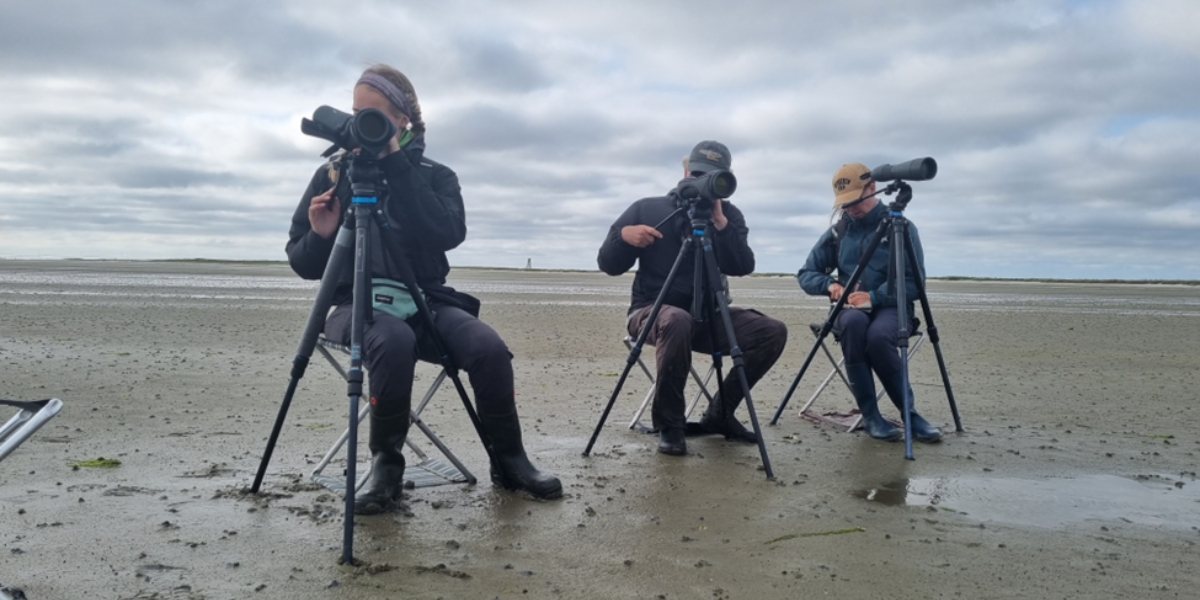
[871, 219]
[415, 149]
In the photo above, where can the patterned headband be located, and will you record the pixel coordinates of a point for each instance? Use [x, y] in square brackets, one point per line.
[389, 91]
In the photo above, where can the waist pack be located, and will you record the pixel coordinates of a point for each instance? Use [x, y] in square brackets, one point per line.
[393, 298]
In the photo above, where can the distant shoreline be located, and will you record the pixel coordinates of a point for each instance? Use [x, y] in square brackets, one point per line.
[213, 261]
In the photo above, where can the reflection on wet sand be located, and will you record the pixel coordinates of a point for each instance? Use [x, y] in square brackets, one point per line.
[1164, 500]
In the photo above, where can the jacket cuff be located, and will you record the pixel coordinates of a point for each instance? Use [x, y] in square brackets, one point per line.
[395, 161]
[320, 244]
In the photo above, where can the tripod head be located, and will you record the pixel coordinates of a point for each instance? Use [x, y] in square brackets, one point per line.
[365, 175]
[903, 193]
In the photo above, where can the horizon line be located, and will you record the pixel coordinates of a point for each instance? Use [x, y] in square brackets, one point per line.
[1189, 282]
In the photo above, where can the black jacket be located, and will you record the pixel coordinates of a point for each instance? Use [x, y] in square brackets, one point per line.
[734, 256]
[425, 214]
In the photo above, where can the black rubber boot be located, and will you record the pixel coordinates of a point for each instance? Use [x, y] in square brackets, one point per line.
[511, 468]
[716, 420]
[863, 384]
[671, 441]
[382, 488]
[922, 430]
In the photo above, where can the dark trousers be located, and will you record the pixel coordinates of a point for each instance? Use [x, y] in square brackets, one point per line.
[675, 336]
[870, 338]
[391, 348]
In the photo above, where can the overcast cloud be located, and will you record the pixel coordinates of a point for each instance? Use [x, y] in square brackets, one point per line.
[1067, 133]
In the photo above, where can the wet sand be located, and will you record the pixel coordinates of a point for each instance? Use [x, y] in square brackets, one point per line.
[1075, 476]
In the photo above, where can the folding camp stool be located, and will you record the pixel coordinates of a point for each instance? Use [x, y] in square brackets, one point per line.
[852, 419]
[29, 418]
[636, 423]
[428, 472]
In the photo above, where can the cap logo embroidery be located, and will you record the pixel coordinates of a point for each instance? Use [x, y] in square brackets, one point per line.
[841, 184]
[710, 155]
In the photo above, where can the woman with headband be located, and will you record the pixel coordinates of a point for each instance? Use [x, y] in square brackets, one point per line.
[425, 211]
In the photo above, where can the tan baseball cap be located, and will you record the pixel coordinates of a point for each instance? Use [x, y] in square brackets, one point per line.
[849, 181]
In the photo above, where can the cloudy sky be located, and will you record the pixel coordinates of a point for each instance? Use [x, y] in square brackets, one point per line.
[1067, 133]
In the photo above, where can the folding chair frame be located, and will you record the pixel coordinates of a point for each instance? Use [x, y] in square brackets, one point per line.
[428, 472]
[29, 418]
[636, 423]
[838, 363]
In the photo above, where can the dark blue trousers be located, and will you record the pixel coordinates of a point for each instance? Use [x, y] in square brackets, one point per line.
[870, 337]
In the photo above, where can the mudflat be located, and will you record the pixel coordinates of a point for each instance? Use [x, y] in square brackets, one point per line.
[1074, 476]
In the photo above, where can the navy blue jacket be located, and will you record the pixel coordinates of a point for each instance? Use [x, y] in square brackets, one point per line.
[830, 261]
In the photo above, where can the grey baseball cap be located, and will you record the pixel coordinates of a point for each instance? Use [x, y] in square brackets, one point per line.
[708, 156]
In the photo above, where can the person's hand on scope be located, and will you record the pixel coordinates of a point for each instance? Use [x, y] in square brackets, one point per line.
[639, 236]
[393, 146]
[323, 214]
[719, 219]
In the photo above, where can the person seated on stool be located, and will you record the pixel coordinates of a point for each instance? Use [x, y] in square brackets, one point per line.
[867, 325]
[425, 209]
[633, 238]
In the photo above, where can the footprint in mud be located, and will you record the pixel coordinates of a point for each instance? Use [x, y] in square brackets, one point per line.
[129, 490]
[182, 592]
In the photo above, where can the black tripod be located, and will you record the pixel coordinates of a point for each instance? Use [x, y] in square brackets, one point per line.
[355, 235]
[708, 289]
[895, 225]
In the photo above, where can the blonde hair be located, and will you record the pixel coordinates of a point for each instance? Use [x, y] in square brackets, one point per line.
[837, 215]
[406, 87]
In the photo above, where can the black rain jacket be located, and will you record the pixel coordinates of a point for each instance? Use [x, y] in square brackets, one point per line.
[730, 246]
[424, 209]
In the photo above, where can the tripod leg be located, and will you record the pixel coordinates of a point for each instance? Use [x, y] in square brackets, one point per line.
[363, 206]
[633, 354]
[735, 351]
[827, 327]
[897, 280]
[636, 350]
[501, 437]
[739, 366]
[308, 341]
[934, 338]
[409, 280]
[803, 368]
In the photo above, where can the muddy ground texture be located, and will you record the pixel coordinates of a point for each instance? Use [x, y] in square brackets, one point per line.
[1075, 476]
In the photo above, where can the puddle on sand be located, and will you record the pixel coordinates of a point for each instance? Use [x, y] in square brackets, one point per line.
[1156, 500]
